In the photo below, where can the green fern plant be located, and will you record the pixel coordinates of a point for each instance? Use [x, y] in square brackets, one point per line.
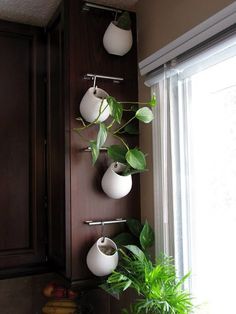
[158, 288]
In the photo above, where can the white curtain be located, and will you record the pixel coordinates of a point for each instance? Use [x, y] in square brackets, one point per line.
[165, 127]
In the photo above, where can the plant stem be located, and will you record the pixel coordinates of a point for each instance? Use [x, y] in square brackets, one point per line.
[81, 119]
[124, 125]
[133, 103]
[130, 110]
[93, 122]
[100, 112]
[121, 140]
[78, 132]
[111, 124]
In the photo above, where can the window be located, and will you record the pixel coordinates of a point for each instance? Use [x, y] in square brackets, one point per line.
[195, 149]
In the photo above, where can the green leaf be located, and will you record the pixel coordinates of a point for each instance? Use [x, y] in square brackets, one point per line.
[124, 21]
[116, 109]
[102, 135]
[136, 251]
[94, 150]
[134, 226]
[125, 238]
[131, 129]
[129, 170]
[144, 114]
[117, 153]
[146, 236]
[153, 101]
[136, 159]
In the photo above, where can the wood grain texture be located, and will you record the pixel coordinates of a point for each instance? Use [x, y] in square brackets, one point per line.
[86, 54]
[56, 147]
[22, 134]
[73, 182]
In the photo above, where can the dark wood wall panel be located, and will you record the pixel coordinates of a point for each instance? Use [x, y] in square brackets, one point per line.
[86, 54]
[15, 139]
[56, 145]
[22, 135]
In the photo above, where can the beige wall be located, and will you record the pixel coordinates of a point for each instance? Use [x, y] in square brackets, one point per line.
[159, 22]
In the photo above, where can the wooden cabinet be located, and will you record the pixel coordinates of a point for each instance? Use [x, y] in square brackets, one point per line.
[77, 35]
[22, 176]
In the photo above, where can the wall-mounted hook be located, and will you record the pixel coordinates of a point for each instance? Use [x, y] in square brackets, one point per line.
[94, 83]
[116, 15]
[102, 232]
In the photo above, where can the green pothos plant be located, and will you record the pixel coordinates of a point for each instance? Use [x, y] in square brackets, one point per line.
[158, 288]
[133, 158]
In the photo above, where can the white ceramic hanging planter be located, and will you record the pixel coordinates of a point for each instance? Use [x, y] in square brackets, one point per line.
[91, 102]
[115, 185]
[102, 257]
[117, 41]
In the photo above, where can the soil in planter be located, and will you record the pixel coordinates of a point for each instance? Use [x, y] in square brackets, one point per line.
[99, 97]
[107, 249]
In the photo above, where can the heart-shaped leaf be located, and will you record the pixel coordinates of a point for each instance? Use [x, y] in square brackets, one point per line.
[116, 109]
[102, 135]
[117, 153]
[146, 236]
[136, 159]
[131, 129]
[136, 251]
[130, 171]
[125, 238]
[134, 226]
[144, 114]
[94, 150]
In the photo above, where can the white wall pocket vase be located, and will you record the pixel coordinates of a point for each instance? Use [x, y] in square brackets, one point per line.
[91, 102]
[102, 257]
[117, 41]
[114, 184]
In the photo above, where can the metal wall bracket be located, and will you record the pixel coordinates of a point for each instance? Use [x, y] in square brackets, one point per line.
[88, 149]
[88, 5]
[105, 222]
[92, 76]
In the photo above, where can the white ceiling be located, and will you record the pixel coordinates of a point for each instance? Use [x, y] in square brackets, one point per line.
[39, 12]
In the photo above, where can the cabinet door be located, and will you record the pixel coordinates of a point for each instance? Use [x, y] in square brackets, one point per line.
[22, 157]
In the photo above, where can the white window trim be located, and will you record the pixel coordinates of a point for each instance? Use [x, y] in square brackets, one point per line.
[212, 26]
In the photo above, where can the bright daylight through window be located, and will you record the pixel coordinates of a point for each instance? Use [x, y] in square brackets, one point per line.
[211, 167]
[196, 170]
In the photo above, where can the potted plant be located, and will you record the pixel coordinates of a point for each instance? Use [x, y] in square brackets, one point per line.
[117, 38]
[117, 181]
[91, 103]
[158, 289]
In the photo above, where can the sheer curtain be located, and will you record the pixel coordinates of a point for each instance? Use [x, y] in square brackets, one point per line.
[194, 144]
[167, 162]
